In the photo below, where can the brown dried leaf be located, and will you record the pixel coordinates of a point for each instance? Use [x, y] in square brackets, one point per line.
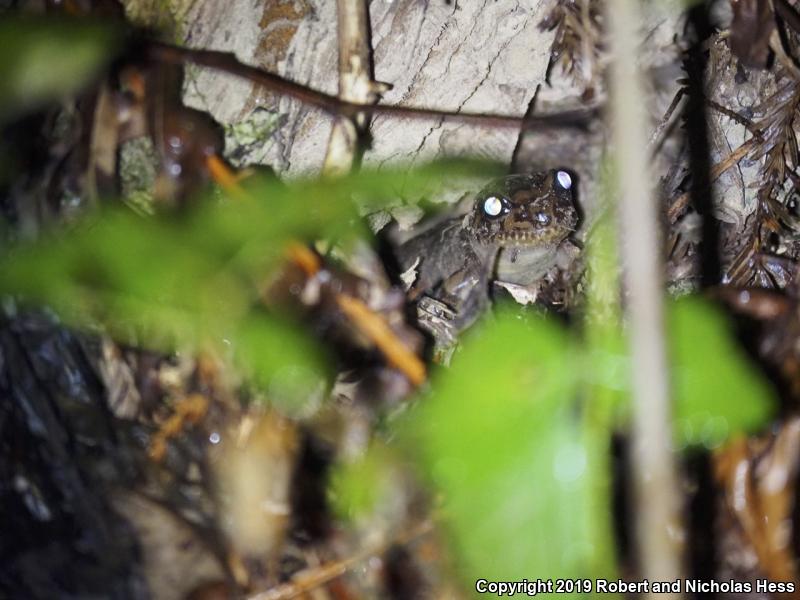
[577, 45]
[758, 479]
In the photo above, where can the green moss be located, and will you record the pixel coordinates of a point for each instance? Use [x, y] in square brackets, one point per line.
[248, 141]
[137, 166]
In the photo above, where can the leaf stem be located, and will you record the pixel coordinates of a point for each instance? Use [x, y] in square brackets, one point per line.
[655, 481]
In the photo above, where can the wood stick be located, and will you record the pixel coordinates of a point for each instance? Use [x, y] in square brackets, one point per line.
[355, 84]
[337, 107]
[657, 511]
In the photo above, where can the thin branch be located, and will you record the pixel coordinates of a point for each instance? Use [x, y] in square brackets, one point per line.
[338, 107]
[379, 332]
[734, 116]
[658, 137]
[310, 579]
[355, 84]
[717, 170]
[655, 482]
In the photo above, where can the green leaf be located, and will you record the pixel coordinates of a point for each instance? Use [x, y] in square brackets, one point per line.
[45, 59]
[282, 358]
[363, 487]
[500, 437]
[192, 280]
[718, 389]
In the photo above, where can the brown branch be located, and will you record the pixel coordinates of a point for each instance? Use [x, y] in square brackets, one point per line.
[337, 107]
[355, 84]
[734, 116]
[379, 332]
[657, 137]
[309, 579]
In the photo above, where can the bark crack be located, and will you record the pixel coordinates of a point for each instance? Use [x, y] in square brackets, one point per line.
[435, 44]
[471, 94]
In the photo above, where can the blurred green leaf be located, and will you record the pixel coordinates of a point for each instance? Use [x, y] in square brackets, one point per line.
[607, 368]
[281, 358]
[192, 280]
[46, 59]
[500, 437]
[367, 485]
[719, 391]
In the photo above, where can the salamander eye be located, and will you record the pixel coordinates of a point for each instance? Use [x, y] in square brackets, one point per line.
[564, 180]
[492, 206]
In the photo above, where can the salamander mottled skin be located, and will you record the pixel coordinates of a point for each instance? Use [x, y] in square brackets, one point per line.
[513, 232]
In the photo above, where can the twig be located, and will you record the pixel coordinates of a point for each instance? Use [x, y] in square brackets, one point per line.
[188, 410]
[657, 137]
[380, 333]
[342, 108]
[655, 482]
[355, 84]
[716, 171]
[310, 579]
[734, 116]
